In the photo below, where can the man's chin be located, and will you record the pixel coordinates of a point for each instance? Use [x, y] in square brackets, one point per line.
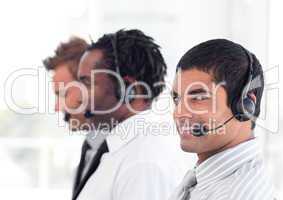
[78, 125]
[187, 149]
[83, 127]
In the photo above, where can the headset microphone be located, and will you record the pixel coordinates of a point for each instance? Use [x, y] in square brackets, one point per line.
[201, 130]
[88, 114]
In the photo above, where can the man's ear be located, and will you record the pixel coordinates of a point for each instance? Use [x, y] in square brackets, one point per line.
[138, 89]
[140, 92]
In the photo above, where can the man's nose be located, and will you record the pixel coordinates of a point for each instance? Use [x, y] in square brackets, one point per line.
[181, 111]
[58, 105]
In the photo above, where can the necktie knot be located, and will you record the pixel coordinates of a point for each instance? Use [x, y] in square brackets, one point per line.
[190, 179]
[189, 182]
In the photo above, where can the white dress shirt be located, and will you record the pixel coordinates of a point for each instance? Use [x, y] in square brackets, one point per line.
[143, 162]
[94, 140]
[234, 174]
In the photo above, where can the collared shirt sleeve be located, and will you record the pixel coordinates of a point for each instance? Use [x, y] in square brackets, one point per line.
[143, 181]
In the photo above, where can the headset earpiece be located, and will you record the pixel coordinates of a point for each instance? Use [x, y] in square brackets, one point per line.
[129, 94]
[243, 107]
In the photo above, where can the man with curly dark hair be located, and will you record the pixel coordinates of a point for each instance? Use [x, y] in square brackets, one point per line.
[123, 73]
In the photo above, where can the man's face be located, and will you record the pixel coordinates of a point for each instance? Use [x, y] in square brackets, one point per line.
[101, 88]
[200, 101]
[68, 98]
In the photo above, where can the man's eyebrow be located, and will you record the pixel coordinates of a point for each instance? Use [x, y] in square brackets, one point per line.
[63, 91]
[98, 65]
[198, 91]
[174, 93]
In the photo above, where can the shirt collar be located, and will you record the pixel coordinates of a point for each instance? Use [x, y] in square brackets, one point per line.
[96, 138]
[126, 131]
[226, 162]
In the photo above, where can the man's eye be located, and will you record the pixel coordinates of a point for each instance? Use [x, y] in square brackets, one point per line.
[85, 80]
[176, 99]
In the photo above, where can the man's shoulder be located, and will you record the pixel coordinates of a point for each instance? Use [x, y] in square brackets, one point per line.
[156, 149]
[155, 136]
[248, 182]
[154, 144]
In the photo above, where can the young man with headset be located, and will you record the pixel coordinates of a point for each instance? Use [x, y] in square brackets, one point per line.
[64, 65]
[217, 92]
[123, 73]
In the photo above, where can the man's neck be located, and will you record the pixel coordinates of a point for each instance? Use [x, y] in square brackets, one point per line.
[136, 107]
[245, 136]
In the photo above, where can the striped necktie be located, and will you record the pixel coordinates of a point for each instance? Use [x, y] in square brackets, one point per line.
[185, 188]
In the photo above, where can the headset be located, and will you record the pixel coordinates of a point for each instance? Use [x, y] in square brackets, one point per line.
[119, 92]
[242, 107]
[127, 79]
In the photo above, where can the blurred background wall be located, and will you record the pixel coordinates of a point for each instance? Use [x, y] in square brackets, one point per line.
[37, 154]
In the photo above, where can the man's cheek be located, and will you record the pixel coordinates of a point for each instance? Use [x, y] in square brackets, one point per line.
[69, 103]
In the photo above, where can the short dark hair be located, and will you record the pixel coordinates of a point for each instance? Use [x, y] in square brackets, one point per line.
[225, 61]
[138, 57]
[70, 51]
